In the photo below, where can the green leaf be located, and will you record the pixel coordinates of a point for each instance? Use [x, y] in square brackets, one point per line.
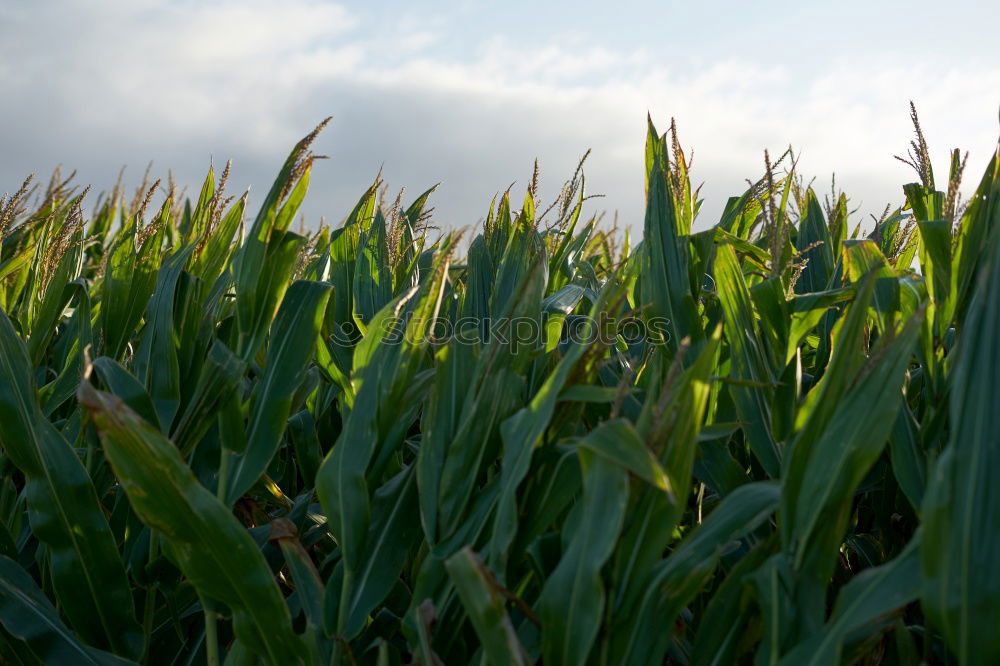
[291, 348]
[211, 258]
[909, 463]
[653, 514]
[844, 452]
[395, 529]
[863, 609]
[128, 283]
[213, 550]
[218, 381]
[618, 442]
[64, 512]
[123, 384]
[665, 281]
[156, 361]
[572, 600]
[750, 359]
[680, 577]
[388, 361]
[263, 265]
[30, 617]
[726, 627]
[521, 433]
[55, 297]
[815, 246]
[80, 332]
[961, 508]
[372, 274]
[257, 301]
[485, 608]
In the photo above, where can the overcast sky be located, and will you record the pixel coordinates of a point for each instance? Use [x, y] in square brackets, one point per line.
[469, 93]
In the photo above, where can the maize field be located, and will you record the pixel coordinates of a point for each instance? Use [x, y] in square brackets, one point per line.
[767, 442]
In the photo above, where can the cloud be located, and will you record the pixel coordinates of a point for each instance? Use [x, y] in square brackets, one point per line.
[93, 86]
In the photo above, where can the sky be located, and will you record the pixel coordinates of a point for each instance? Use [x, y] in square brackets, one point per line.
[468, 94]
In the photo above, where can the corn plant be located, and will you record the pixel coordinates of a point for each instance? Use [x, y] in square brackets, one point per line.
[767, 442]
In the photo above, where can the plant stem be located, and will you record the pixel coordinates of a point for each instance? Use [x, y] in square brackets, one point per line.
[89, 461]
[223, 475]
[150, 604]
[211, 630]
[211, 635]
[345, 599]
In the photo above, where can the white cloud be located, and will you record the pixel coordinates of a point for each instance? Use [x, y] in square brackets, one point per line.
[93, 86]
